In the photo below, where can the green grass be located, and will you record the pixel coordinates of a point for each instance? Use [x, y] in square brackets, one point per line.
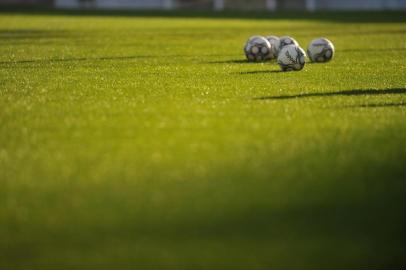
[145, 142]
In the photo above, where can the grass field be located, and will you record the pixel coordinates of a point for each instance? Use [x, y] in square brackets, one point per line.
[147, 142]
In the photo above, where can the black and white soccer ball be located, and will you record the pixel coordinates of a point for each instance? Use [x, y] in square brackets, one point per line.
[257, 49]
[320, 50]
[291, 57]
[287, 40]
[275, 43]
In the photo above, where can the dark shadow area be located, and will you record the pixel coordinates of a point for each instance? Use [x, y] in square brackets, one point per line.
[355, 92]
[377, 105]
[355, 16]
[54, 60]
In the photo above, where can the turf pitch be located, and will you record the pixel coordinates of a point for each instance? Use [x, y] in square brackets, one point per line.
[147, 142]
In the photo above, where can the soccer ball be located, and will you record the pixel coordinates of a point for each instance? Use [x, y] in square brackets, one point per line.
[320, 50]
[291, 57]
[286, 40]
[274, 41]
[257, 49]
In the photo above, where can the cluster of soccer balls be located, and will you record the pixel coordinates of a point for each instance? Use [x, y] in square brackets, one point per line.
[286, 50]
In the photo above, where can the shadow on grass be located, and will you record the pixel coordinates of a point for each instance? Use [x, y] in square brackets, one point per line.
[376, 105]
[355, 92]
[341, 16]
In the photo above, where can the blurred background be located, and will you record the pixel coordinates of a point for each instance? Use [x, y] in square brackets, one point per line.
[310, 5]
